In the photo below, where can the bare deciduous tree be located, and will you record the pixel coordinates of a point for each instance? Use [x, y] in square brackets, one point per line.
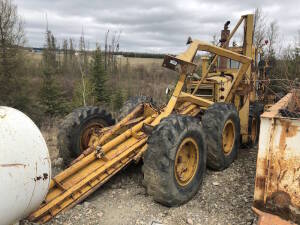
[260, 29]
[83, 65]
[11, 38]
[110, 50]
[272, 35]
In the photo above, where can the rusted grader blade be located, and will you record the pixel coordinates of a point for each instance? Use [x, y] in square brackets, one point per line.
[96, 166]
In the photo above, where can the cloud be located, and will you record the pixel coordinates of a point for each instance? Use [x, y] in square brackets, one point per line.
[151, 26]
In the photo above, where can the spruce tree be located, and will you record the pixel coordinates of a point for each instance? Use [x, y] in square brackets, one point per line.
[51, 96]
[98, 77]
[117, 100]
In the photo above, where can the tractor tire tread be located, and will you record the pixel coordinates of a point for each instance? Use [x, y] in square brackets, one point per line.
[72, 122]
[160, 157]
[213, 122]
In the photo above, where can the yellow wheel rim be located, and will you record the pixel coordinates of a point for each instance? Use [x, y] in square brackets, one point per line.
[228, 137]
[253, 130]
[186, 161]
[88, 133]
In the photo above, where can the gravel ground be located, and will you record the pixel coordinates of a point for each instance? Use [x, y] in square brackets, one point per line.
[224, 198]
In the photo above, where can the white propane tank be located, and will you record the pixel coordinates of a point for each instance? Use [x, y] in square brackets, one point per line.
[25, 168]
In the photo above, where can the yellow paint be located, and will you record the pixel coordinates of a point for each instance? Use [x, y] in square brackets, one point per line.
[186, 97]
[204, 64]
[228, 137]
[186, 161]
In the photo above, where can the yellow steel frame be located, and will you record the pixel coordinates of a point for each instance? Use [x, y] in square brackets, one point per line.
[247, 51]
[113, 150]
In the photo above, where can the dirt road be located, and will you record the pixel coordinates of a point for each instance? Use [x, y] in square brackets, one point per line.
[225, 198]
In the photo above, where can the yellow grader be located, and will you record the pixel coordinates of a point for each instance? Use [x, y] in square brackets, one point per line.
[199, 127]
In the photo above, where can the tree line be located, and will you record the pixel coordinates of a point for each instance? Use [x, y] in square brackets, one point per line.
[283, 60]
[69, 74]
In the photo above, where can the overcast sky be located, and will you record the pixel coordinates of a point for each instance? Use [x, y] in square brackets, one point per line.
[149, 25]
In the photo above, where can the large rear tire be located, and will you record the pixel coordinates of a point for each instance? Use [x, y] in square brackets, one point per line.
[255, 110]
[131, 104]
[75, 131]
[175, 161]
[221, 123]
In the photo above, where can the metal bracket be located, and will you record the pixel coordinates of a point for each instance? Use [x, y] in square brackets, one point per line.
[137, 136]
[100, 154]
[59, 184]
[172, 63]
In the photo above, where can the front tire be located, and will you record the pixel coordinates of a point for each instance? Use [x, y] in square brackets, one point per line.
[175, 161]
[221, 123]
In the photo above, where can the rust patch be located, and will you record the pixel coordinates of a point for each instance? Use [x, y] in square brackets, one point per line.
[273, 111]
[262, 163]
[259, 204]
[281, 199]
[288, 131]
[260, 183]
[280, 204]
[291, 130]
[13, 165]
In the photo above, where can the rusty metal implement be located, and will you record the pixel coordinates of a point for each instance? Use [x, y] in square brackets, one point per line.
[277, 184]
